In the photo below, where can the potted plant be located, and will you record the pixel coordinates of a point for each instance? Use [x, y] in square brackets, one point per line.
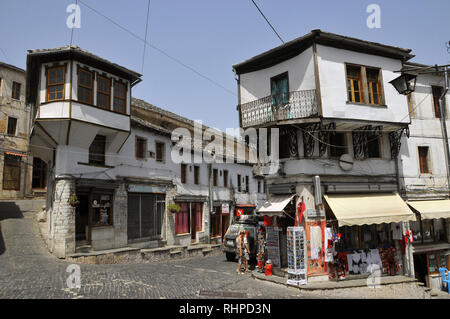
[174, 208]
[73, 200]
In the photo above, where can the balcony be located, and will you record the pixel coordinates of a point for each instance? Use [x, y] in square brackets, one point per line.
[273, 108]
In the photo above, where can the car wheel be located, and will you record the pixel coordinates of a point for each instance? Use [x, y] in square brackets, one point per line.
[230, 256]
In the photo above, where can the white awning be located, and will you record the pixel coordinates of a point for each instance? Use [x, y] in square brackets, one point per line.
[367, 209]
[430, 209]
[275, 206]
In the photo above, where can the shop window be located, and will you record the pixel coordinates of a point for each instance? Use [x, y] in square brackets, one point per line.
[145, 215]
[354, 81]
[437, 92]
[197, 175]
[55, 83]
[182, 220]
[85, 86]
[39, 173]
[417, 231]
[120, 97]
[424, 159]
[337, 144]
[215, 177]
[11, 172]
[140, 148]
[225, 178]
[427, 227]
[103, 92]
[279, 86]
[374, 85]
[12, 124]
[159, 150]
[15, 94]
[198, 215]
[183, 173]
[101, 209]
[215, 228]
[97, 150]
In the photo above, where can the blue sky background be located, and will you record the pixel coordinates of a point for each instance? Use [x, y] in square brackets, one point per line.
[210, 36]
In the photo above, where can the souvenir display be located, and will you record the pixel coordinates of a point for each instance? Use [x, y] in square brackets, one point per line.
[296, 256]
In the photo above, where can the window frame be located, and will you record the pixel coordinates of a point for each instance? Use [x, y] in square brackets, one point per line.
[185, 218]
[92, 160]
[343, 147]
[11, 120]
[12, 160]
[239, 183]
[215, 177]
[63, 83]
[107, 93]
[275, 78]
[225, 178]
[428, 166]
[363, 82]
[183, 173]
[196, 175]
[379, 140]
[124, 99]
[14, 90]
[435, 99]
[138, 142]
[162, 152]
[91, 88]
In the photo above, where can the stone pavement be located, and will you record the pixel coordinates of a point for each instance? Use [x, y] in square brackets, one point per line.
[28, 270]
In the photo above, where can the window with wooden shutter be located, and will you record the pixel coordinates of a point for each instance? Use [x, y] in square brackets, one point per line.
[12, 124]
[183, 173]
[198, 215]
[85, 86]
[140, 147]
[182, 219]
[159, 148]
[97, 150]
[11, 172]
[55, 83]
[15, 94]
[103, 92]
[437, 92]
[120, 97]
[374, 85]
[196, 175]
[423, 160]
[354, 84]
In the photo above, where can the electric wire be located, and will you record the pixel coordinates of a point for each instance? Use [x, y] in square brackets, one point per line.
[268, 22]
[158, 49]
[145, 37]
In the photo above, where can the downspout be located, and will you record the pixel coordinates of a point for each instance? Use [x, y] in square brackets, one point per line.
[211, 201]
[444, 125]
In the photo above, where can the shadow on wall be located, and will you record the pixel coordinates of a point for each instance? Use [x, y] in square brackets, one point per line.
[7, 210]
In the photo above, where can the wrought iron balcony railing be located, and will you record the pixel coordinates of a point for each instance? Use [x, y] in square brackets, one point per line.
[284, 106]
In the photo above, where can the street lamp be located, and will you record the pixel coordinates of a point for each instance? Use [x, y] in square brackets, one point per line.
[404, 83]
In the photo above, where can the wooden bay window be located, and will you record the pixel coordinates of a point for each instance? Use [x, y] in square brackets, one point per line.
[354, 84]
[85, 86]
[120, 97]
[103, 92]
[55, 83]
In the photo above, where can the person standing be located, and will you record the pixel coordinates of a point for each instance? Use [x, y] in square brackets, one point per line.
[240, 250]
[261, 249]
[246, 256]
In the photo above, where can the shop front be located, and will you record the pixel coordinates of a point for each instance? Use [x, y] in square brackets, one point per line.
[278, 214]
[219, 221]
[431, 235]
[189, 226]
[366, 234]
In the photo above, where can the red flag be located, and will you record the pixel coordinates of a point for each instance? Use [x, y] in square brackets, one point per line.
[301, 207]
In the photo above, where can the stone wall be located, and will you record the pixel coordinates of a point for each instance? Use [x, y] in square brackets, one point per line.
[63, 218]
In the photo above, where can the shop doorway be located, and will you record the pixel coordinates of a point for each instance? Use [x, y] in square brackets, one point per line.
[420, 267]
[145, 216]
[82, 220]
[225, 224]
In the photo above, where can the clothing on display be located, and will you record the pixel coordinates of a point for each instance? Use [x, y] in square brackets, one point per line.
[329, 244]
[397, 232]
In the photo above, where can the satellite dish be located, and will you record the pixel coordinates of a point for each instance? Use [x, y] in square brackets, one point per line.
[346, 162]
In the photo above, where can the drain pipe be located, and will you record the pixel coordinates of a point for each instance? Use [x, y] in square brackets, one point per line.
[444, 125]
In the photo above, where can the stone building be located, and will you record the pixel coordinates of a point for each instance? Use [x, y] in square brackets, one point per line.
[424, 175]
[111, 172]
[339, 122]
[15, 164]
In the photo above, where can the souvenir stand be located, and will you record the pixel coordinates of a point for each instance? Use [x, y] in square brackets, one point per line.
[296, 256]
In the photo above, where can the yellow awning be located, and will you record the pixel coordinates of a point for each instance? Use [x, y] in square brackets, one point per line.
[367, 209]
[430, 209]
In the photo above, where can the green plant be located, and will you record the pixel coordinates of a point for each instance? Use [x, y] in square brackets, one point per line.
[73, 200]
[174, 208]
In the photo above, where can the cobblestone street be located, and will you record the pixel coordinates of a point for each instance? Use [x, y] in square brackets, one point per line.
[29, 271]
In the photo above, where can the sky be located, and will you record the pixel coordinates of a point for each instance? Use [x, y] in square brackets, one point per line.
[207, 37]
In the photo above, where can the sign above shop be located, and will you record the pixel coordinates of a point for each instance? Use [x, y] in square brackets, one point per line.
[225, 209]
[315, 213]
[146, 189]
